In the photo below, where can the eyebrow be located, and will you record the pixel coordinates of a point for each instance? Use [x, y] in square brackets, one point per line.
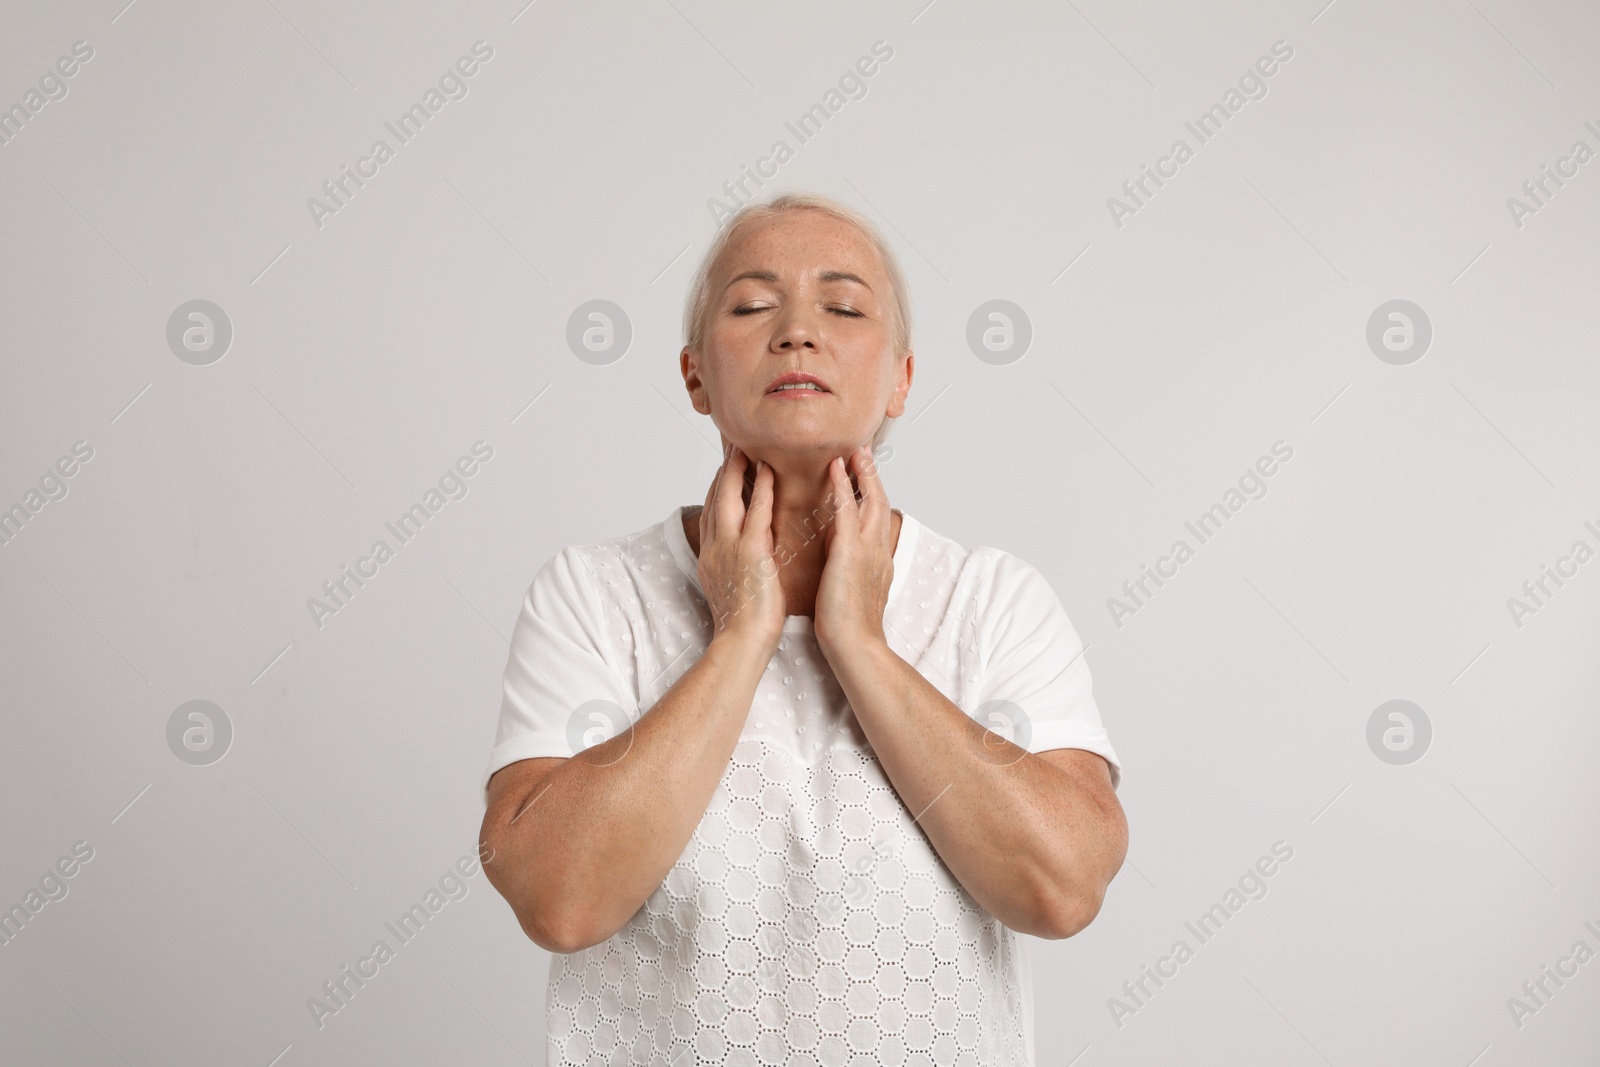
[822, 276]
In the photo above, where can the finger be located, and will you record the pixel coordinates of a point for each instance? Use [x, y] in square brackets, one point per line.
[847, 518]
[729, 502]
[711, 490]
[758, 516]
[874, 498]
[711, 486]
[747, 483]
[708, 509]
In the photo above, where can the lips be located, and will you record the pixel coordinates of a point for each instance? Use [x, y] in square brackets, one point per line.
[797, 378]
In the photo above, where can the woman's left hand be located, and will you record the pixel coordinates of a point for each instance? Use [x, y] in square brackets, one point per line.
[854, 589]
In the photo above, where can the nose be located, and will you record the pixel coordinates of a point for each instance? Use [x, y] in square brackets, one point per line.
[796, 329]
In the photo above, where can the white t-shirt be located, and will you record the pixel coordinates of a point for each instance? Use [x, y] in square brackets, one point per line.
[809, 920]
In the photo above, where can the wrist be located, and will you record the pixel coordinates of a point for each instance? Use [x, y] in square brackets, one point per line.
[852, 646]
[744, 641]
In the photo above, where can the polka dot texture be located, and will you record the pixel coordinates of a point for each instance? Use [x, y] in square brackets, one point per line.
[809, 921]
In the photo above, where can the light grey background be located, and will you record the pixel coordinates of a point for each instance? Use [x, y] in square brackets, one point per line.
[1168, 354]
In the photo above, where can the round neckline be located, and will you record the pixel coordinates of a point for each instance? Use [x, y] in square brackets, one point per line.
[688, 562]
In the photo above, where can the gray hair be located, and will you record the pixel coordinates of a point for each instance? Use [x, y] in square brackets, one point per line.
[698, 303]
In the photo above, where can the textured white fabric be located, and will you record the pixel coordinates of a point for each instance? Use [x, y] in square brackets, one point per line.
[809, 920]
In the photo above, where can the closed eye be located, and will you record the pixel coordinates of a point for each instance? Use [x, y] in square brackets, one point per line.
[846, 312]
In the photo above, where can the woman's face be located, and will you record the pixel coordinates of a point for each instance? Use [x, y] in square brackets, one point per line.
[802, 291]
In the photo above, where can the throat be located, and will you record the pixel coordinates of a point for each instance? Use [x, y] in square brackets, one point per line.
[691, 528]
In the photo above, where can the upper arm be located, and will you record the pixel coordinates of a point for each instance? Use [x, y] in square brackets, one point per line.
[1035, 675]
[1089, 770]
[563, 680]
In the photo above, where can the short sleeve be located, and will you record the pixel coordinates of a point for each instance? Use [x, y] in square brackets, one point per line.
[1031, 657]
[560, 660]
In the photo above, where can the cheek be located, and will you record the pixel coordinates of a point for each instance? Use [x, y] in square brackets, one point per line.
[868, 366]
[739, 355]
[732, 346]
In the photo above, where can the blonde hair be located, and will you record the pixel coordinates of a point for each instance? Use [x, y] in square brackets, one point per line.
[698, 302]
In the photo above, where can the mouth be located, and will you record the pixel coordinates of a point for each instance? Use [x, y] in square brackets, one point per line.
[797, 384]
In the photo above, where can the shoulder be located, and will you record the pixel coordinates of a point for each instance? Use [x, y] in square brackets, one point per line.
[1009, 576]
[928, 550]
[983, 575]
[1013, 603]
[595, 566]
[986, 586]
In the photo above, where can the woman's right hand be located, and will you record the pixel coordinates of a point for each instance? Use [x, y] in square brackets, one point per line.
[737, 570]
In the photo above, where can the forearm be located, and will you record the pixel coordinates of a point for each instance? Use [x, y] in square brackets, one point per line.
[1031, 845]
[580, 852]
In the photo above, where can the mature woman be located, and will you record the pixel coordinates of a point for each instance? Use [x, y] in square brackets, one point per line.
[779, 778]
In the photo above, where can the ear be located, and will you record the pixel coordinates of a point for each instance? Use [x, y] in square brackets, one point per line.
[897, 400]
[696, 386]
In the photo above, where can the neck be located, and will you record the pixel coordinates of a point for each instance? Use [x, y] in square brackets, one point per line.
[804, 506]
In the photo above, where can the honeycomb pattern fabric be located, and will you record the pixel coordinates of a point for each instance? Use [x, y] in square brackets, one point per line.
[809, 921]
